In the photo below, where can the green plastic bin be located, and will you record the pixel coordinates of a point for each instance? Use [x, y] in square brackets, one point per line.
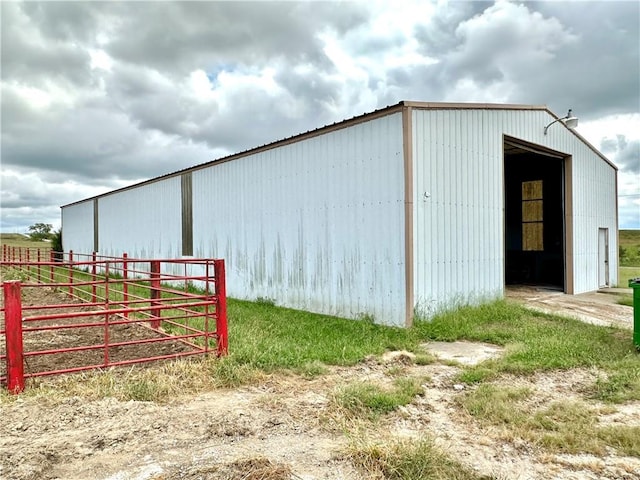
[635, 284]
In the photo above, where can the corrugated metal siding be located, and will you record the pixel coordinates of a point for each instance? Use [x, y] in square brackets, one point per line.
[458, 241]
[594, 207]
[458, 229]
[77, 227]
[316, 224]
[144, 222]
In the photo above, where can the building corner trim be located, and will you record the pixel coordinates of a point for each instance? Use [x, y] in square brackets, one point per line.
[407, 146]
[568, 222]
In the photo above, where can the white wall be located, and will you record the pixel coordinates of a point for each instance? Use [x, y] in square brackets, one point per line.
[144, 222]
[77, 227]
[594, 192]
[458, 230]
[458, 239]
[316, 225]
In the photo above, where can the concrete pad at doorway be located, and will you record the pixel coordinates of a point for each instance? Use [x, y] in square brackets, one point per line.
[466, 353]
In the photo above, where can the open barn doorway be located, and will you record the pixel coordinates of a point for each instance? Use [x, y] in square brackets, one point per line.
[535, 230]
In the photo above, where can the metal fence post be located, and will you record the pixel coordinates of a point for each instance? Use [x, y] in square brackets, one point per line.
[70, 276]
[125, 285]
[51, 257]
[38, 260]
[106, 315]
[13, 328]
[93, 277]
[155, 293]
[221, 307]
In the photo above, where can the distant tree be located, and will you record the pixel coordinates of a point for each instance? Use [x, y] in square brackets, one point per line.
[40, 231]
[56, 241]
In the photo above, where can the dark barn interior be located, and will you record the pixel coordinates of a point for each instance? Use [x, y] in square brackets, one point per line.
[534, 217]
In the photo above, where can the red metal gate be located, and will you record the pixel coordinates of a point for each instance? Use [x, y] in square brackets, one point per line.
[122, 311]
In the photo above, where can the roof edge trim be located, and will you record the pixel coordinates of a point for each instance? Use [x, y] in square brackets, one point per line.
[471, 106]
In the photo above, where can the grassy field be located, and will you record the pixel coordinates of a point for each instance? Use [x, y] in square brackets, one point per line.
[18, 240]
[627, 273]
[629, 238]
[629, 261]
[629, 248]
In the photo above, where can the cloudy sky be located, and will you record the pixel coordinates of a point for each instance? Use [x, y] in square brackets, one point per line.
[96, 96]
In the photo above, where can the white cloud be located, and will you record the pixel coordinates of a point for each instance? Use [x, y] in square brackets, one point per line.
[100, 59]
[100, 94]
[610, 126]
[618, 136]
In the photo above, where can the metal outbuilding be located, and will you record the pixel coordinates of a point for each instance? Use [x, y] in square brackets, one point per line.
[404, 211]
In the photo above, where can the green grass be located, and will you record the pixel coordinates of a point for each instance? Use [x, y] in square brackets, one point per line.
[625, 299]
[629, 237]
[624, 275]
[621, 382]
[270, 338]
[629, 241]
[536, 342]
[496, 405]
[408, 460]
[629, 261]
[627, 273]
[566, 426]
[369, 400]
[17, 240]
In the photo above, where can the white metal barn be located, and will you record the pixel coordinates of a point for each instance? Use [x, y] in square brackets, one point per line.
[410, 209]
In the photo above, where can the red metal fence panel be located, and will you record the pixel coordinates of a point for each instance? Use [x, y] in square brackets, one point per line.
[117, 311]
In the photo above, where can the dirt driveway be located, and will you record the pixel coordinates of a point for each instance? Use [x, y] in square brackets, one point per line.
[597, 308]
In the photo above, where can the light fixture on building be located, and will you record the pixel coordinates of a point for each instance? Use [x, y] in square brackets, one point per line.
[570, 121]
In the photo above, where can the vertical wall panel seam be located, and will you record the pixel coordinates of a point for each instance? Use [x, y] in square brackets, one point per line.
[187, 214]
[407, 141]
